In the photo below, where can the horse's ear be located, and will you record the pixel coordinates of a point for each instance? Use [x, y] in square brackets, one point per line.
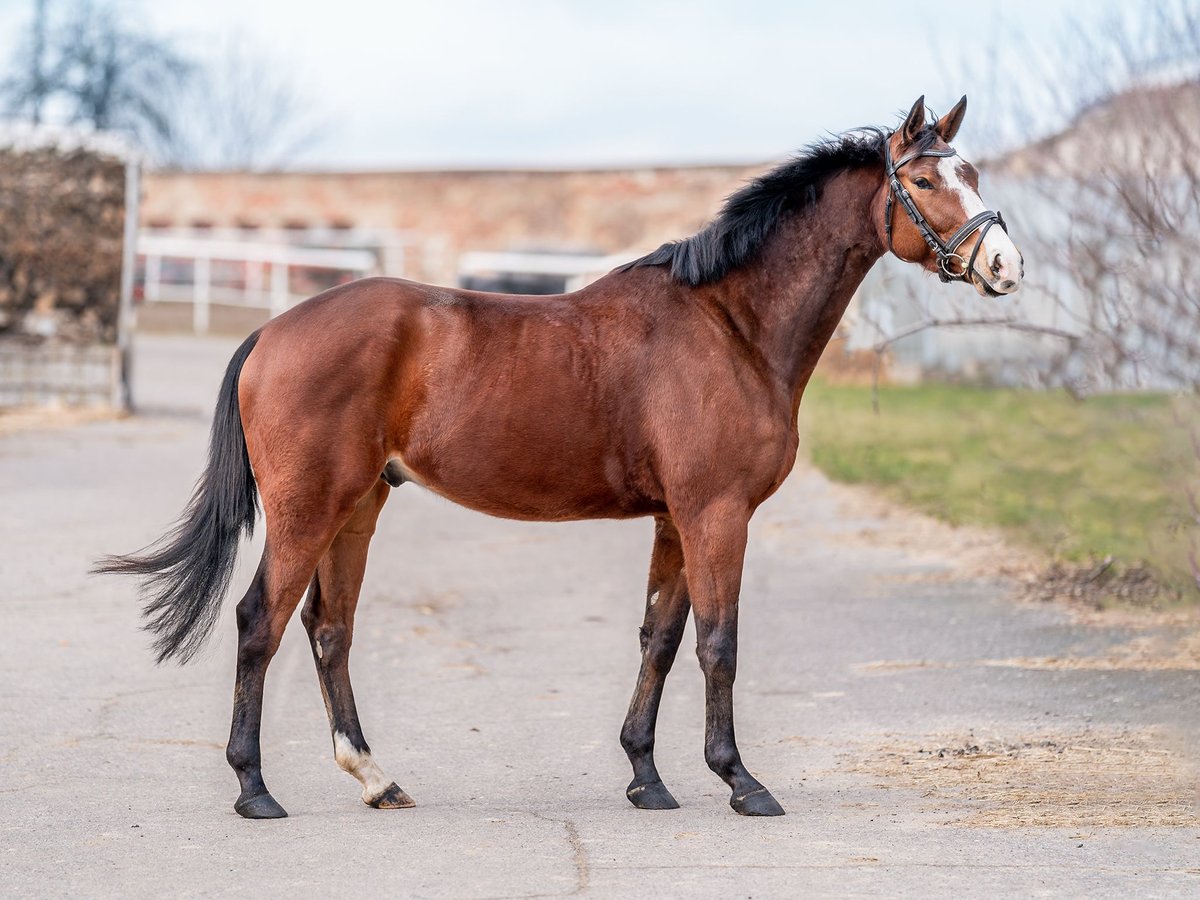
[947, 126]
[915, 121]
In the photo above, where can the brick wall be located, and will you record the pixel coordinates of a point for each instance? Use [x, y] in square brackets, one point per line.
[447, 213]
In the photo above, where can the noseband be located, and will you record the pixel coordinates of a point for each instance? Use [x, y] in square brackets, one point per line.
[946, 251]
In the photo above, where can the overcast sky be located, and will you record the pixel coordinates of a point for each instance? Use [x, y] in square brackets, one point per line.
[523, 82]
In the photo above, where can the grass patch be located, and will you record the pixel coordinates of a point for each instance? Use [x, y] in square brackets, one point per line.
[1108, 476]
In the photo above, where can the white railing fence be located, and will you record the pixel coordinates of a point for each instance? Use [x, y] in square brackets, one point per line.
[257, 275]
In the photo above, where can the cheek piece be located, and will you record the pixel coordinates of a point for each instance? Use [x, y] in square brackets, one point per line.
[949, 259]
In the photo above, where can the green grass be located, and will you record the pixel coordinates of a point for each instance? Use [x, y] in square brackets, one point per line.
[1081, 480]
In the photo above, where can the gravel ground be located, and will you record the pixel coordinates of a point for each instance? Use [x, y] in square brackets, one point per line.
[927, 733]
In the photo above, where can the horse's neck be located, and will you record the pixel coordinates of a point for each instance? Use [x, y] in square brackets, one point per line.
[789, 301]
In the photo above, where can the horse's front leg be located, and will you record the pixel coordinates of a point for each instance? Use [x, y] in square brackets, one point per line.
[667, 607]
[714, 547]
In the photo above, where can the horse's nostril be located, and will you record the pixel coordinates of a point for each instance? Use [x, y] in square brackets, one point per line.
[997, 265]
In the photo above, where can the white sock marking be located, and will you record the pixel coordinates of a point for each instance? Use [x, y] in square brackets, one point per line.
[361, 766]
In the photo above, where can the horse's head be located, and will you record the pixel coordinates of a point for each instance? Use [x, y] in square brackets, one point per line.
[932, 212]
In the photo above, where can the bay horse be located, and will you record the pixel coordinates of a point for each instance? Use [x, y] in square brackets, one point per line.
[668, 388]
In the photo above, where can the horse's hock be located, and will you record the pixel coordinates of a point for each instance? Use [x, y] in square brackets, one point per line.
[62, 252]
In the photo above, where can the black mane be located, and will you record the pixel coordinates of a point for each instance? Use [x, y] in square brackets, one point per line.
[749, 216]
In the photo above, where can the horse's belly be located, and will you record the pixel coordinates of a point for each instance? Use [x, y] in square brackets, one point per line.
[534, 486]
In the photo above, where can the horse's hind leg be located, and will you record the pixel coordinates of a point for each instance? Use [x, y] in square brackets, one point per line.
[300, 528]
[667, 607]
[262, 616]
[329, 618]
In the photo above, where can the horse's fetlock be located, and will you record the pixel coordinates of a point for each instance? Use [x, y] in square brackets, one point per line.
[722, 759]
[636, 742]
[241, 759]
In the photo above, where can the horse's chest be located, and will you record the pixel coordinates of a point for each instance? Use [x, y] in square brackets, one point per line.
[774, 459]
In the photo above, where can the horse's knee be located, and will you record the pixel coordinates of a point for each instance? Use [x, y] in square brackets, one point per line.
[718, 657]
[654, 643]
[660, 642]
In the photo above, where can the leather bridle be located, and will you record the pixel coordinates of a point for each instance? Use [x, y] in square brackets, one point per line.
[946, 251]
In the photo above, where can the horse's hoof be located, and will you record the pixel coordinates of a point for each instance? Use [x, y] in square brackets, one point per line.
[393, 797]
[651, 796]
[758, 802]
[260, 806]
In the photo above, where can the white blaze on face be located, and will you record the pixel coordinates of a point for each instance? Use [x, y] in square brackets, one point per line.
[998, 250]
[361, 766]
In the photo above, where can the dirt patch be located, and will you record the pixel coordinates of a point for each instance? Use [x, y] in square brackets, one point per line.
[902, 665]
[1178, 651]
[1146, 653]
[1097, 585]
[1088, 779]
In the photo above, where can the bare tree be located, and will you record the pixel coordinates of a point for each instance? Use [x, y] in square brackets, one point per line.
[1131, 278]
[1101, 181]
[246, 111]
[1101, 184]
[1125, 180]
[34, 79]
[91, 63]
[118, 77]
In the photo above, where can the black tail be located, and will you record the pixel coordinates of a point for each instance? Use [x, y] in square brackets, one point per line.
[187, 570]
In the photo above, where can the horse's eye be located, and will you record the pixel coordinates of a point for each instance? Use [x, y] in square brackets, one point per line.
[924, 184]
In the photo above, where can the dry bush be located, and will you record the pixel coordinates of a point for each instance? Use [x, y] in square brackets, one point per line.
[61, 221]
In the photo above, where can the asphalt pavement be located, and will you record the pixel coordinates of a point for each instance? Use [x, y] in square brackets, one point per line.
[928, 733]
